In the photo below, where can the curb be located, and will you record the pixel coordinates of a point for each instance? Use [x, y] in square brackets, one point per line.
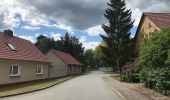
[118, 93]
[39, 89]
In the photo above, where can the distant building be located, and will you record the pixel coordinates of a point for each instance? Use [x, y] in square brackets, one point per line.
[20, 60]
[150, 22]
[62, 64]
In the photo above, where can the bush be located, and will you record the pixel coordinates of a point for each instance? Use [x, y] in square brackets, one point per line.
[130, 72]
[155, 71]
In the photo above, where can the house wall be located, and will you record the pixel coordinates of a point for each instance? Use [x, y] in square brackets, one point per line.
[27, 71]
[74, 69]
[59, 68]
[146, 28]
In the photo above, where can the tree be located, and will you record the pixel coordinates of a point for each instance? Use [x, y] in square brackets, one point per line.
[89, 57]
[71, 45]
[117, 38]
[43, 43]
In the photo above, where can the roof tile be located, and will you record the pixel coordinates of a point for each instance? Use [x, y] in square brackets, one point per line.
[67, 58]
[25, 50]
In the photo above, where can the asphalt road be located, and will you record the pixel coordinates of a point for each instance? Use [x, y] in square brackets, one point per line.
[86, 87]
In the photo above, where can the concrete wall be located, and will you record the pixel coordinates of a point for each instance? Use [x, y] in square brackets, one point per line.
[59, 68]
[146, 28]
[27, 71]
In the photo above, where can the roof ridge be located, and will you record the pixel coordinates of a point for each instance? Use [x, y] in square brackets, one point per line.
[156, 12]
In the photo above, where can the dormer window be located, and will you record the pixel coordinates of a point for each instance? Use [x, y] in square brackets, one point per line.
[11, 46]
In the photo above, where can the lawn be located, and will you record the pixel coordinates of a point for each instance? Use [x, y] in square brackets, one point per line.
[29, 87]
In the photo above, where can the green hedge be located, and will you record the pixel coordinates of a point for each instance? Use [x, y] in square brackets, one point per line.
[158, 79]
[134, 78]
[154, 55]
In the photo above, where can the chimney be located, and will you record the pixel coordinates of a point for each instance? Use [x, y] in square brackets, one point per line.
[8, 32]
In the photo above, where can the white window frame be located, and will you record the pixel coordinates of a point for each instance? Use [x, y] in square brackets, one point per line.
[37, 68]
[12, 69]
[11, 46]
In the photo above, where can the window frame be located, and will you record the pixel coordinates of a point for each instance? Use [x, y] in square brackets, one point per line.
[41, 68]
[11, 46]
[12, 70]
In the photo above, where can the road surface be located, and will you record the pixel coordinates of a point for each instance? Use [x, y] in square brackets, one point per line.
[86, 87]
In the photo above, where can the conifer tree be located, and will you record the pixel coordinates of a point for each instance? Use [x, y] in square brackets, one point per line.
[117, 38]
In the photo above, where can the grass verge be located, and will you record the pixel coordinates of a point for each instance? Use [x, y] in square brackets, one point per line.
[30, 87]
[117, 77]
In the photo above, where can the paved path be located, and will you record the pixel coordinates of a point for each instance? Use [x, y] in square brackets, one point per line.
[86, 87]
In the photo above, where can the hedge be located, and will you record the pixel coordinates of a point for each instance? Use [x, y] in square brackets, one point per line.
[154, 62]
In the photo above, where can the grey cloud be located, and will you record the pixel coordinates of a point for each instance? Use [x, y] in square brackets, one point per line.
[79, 14]
[150, 5]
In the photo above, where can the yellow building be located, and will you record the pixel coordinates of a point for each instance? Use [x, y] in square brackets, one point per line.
[150, 22]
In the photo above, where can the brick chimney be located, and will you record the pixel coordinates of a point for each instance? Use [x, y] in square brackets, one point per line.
[8, 32]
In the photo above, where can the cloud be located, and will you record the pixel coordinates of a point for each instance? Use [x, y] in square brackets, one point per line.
[73, 13]
[88, 45]
[140, 6]
[31, 28]
[69, 14]
[56, 36]
[29, 38]
[38, 34]
[95, 30]
[82, 39]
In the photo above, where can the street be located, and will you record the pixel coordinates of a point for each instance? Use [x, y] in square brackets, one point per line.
[85, 87]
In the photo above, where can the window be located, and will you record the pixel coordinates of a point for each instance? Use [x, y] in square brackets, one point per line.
[39, 69]
[14, 71]
[11, 47]
[150, 25]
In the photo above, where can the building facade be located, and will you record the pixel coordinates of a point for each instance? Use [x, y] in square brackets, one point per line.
[62, 64]
[20, 60]
[149, 23]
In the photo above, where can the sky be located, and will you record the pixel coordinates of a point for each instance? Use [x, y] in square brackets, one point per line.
[81, 18]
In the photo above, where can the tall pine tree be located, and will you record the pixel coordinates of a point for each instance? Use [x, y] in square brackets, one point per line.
[117, 38]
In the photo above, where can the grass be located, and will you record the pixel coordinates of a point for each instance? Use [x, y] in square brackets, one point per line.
[117, 77]
[28, 87]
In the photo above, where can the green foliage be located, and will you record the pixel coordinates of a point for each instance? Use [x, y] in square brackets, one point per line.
[155, 72]
[158, 79]
[89, 57]
[130, 77]
[154, 51]
[169, 55]
[43, 43]
[118, 44]
[69, 44]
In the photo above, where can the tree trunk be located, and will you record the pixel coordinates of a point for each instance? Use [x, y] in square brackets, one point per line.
[117, 65]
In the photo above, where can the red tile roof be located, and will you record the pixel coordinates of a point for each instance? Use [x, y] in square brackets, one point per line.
[67, 58]
[162, 20]
[25, 50]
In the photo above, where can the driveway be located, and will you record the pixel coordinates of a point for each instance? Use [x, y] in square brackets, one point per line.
[86, 87]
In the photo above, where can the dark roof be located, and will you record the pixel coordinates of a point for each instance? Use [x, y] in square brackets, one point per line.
[161, 20]
[25, 50]
[67, 58]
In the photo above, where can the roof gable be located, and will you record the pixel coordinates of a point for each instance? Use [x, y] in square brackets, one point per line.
[161, 20]
[67, 58]
[25, 50]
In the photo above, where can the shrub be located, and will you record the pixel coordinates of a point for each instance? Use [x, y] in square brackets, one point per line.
[154, 54]
[129, 72]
